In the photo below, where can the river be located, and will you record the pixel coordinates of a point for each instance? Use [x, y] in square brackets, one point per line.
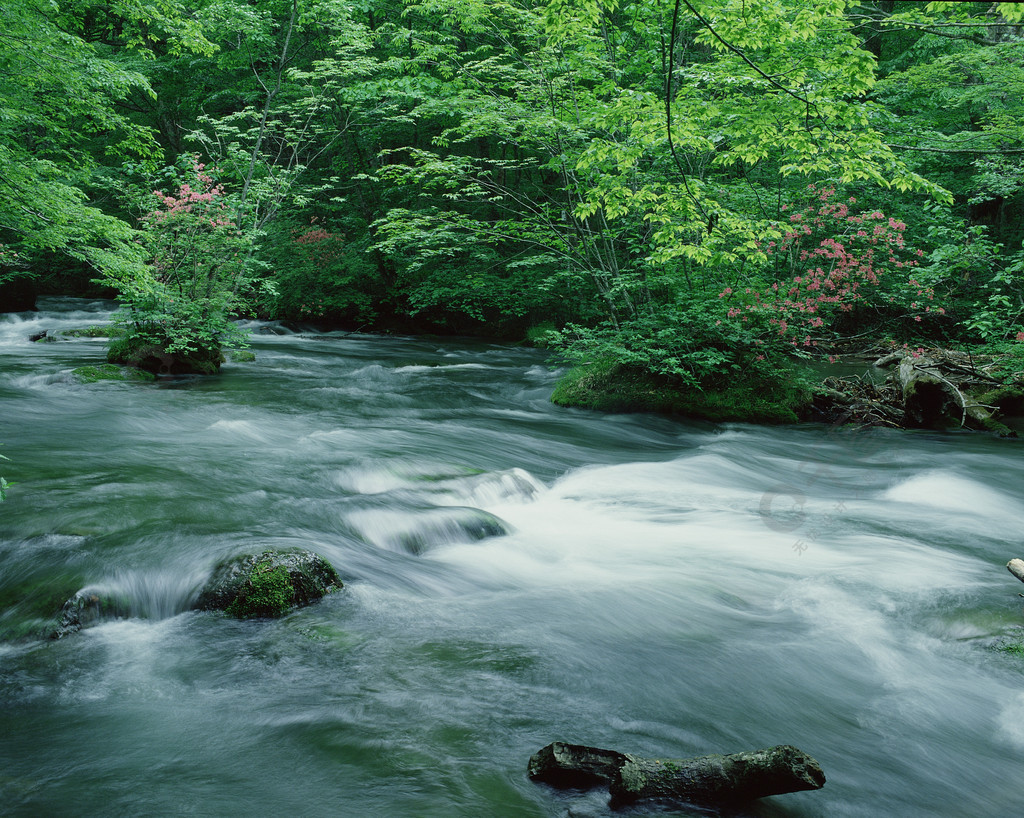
[664, 588]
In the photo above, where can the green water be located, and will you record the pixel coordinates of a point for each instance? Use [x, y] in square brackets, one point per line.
[664, 589]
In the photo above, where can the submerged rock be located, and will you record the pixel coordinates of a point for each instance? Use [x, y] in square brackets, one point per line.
[89, 607]
[268, 584]
[108, 331]
[110, 372]
[416, 531]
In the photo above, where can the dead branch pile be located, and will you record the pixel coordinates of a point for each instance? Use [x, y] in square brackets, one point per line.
[927, 389]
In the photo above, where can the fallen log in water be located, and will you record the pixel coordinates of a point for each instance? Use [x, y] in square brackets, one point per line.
[710, 779]
[1016, 567]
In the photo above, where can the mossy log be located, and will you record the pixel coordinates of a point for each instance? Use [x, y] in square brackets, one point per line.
[930, 400]
[939, 393]
[575, 766]
[710, 779]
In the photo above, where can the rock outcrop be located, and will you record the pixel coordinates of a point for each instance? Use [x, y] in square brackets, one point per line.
[268, 584]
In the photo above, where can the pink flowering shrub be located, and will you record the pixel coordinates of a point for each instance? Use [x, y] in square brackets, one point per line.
[197, 270]
[829, 260]
[193, 239]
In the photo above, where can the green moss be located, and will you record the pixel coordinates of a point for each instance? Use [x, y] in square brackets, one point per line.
[28, 607]
[611, 387]
[239, 356]
[91, 332]
[1013, 648]
[266, 593]
[1009, 399]
[39, 597]
[110, 372]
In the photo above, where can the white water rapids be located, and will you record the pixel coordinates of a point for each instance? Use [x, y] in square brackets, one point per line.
[515, 574]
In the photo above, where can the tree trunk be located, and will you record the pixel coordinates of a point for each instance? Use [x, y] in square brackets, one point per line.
[575, 766]
[718, 778]
[710, 779]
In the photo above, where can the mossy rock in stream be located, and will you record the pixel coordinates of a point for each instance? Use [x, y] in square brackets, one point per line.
[88, 607]
[267, 585]
[111, 372]
[28, 607]
[155, 358]
[91, 332]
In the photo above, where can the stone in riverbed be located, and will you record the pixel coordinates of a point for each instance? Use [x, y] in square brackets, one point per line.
[267, 585]
[89, 607]
[111, 372]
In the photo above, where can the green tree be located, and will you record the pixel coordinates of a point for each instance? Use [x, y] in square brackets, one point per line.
[57, 94]
[954, 99]
[640, 156]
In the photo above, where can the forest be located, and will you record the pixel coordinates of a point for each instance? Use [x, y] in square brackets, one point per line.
[692, 202]
[511, 408]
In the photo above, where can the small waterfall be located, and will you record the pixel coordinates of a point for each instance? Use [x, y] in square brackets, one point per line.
[129, 595]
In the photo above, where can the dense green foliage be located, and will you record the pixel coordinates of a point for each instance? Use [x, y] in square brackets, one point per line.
[693, 191]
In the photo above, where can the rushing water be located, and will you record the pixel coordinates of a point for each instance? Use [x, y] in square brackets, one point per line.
[665, 588]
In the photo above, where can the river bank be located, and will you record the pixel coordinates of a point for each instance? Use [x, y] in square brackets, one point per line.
[936, 389]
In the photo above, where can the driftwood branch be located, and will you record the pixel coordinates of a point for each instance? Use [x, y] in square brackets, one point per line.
[710, 779]
[1016, 567]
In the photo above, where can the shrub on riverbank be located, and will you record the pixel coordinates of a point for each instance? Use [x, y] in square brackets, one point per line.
[612, 387]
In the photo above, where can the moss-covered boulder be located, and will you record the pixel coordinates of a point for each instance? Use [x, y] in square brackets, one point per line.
[155, 358]
[111, 372]
[108, 331]
[268, 585]
[241, 356]
[28, 606]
